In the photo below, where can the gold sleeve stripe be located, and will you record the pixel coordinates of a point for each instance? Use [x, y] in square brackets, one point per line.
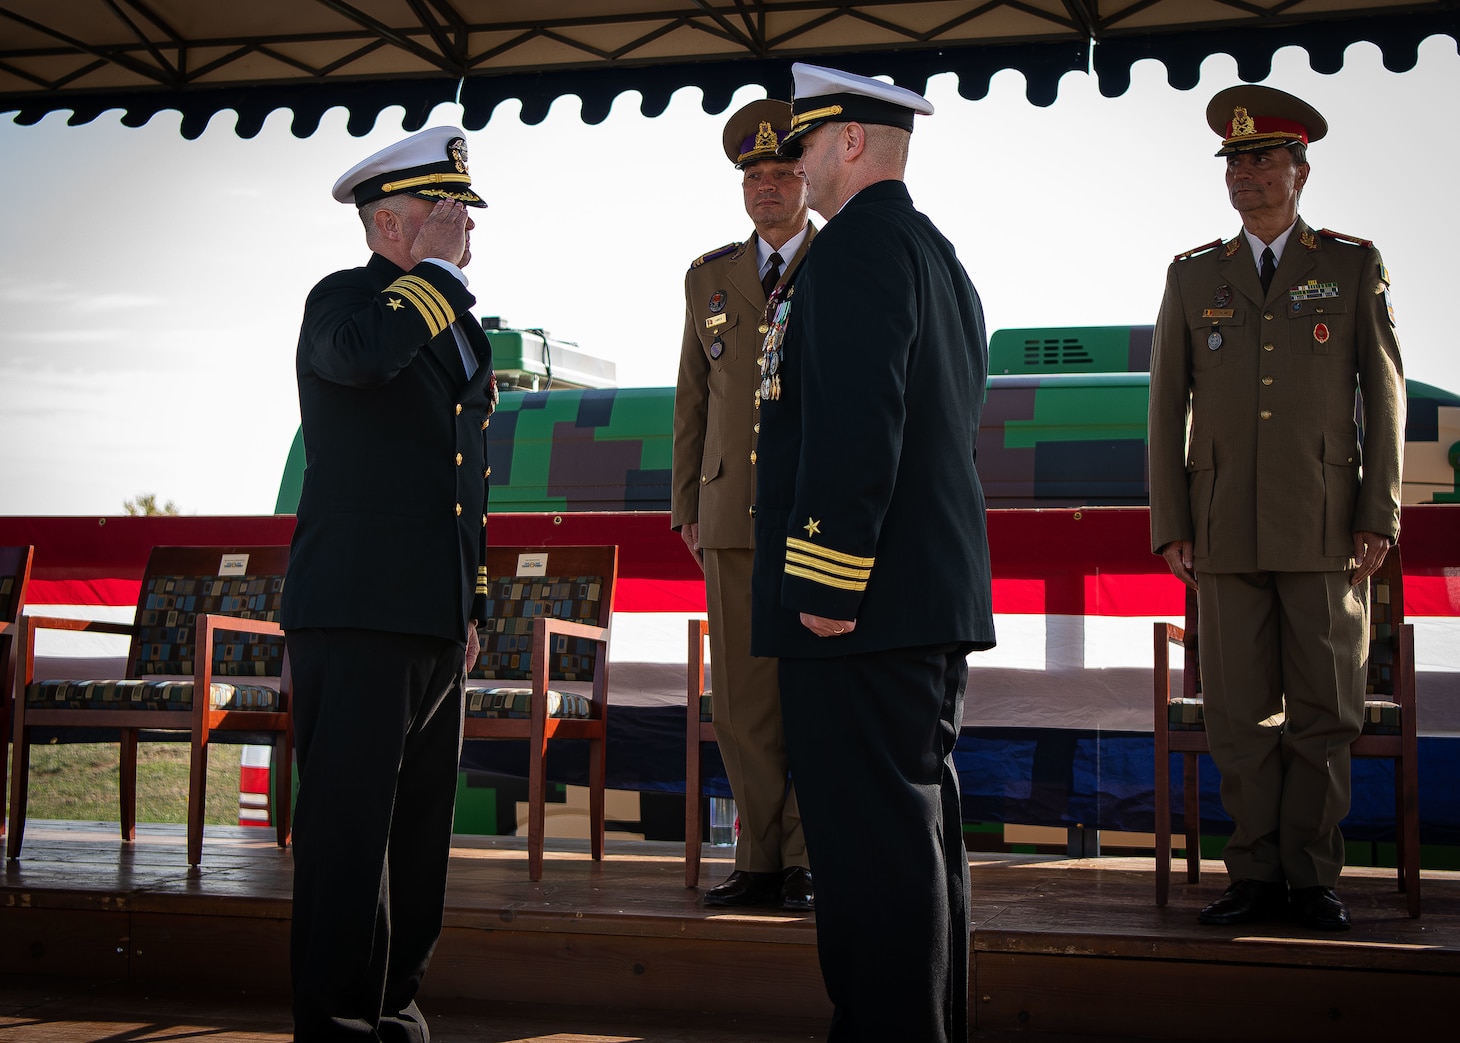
[824, 580]
[427, 312]
[835, 570]
[432, 294]
[828, 554]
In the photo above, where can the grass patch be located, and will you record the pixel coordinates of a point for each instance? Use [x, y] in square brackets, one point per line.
[81, 781]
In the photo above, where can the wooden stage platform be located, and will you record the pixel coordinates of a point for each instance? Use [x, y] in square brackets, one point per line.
[1060, 946]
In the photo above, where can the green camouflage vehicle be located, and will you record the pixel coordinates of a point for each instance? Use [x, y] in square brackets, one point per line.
[1064, 425]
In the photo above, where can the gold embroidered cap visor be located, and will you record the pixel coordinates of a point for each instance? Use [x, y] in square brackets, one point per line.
[1250, 117]
[830, 95]
[431, 164]
[755, 132]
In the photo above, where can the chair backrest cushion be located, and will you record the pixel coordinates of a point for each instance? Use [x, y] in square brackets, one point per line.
[569, 583]
[182, 583]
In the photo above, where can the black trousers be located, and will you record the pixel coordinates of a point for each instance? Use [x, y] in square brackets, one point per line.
[377, 732]
[870, 744]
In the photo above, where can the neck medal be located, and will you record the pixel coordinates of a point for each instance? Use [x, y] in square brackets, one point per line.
[778, 308]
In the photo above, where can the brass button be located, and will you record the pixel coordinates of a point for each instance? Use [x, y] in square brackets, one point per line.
[458, 459]
[487, 473]
[764, 328]
[1266, 381]
[752, 510]
[484, 521]
[1191, 462]
[704, 478]
[1266, 414]
[752, 456]
[458, 409]
[1267, 347]
[757, 429]
[458, 510]
[1267, 315]
[1350, 459]
[485, 423]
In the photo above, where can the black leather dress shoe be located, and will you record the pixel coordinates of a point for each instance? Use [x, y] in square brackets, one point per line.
[1247, 901]
[1320, 908]
[741, 888]
[796, 892]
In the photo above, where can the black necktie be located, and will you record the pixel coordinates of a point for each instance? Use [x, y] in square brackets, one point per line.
[772, 275]
[1269, 268]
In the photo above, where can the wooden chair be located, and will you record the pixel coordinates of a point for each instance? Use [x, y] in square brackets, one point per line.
[699, 728]
[548, 616]
[189, 597]
[14, 578]
[1390, 729]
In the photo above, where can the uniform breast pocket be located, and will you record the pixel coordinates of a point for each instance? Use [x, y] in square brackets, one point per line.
[1319, 327]
[718, 342]
[1213, 332]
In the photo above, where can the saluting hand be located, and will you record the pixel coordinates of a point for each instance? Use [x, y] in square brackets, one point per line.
[443, 234]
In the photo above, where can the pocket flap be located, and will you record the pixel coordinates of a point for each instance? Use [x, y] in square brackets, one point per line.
[710, 467]
[1340, 452]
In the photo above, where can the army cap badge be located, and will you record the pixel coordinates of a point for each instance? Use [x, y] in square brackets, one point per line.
[755, 132]
[1250, 117]
[823, 94]
[430, 164]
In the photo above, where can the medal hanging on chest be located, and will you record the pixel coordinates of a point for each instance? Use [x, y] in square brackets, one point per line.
[778, 309]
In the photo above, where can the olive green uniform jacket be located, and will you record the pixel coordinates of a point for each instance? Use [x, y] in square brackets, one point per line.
[714, 400]
[1273, 476]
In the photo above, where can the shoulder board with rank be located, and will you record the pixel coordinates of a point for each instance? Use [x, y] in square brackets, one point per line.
[721, 252]
[1198, 250]
[1329, 233]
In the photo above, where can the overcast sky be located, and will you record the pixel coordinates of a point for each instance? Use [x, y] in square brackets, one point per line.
[152, 286]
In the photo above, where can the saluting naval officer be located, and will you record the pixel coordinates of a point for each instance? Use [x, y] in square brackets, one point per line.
[871, 560]
[1271, 508]
[715, 429]
[382, 596]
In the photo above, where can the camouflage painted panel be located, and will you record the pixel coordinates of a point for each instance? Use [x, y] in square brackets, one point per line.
[582, 450]
[1064, 425]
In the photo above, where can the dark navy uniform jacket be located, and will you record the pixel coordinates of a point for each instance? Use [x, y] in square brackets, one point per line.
[392, 519]
[868, 505]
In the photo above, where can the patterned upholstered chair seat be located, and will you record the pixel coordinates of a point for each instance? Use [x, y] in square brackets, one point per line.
[1381, 716]
[146, 695]
[516, 704]
[205, 617]
[548, 611]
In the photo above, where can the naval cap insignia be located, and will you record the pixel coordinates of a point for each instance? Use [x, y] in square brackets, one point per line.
[456, 152]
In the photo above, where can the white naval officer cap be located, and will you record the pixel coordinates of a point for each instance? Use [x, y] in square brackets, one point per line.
[430, 164]
[823, 94]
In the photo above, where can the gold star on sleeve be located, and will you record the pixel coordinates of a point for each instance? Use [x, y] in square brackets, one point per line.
[394, 304]
[812, 527]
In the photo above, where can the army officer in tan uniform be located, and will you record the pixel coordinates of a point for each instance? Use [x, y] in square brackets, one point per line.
[714, 485]
[1271, 508]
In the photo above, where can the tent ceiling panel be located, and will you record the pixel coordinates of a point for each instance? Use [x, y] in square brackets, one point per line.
[254, 56]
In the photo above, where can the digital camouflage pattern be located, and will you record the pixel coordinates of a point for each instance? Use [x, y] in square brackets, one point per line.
[1064, 425]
